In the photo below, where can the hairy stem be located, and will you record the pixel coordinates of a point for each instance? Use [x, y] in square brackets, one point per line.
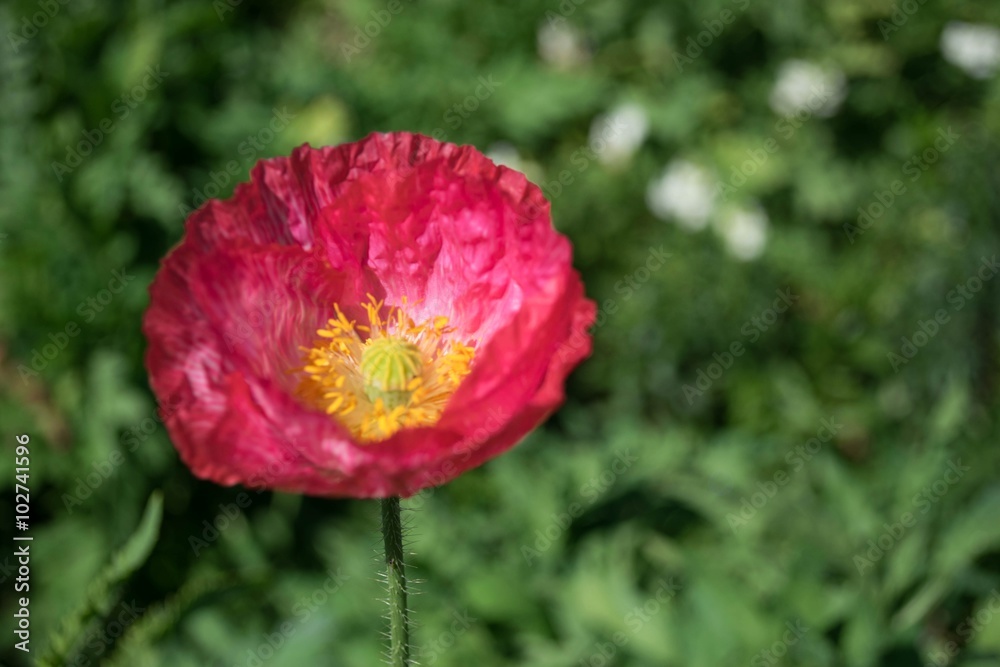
[399, 621]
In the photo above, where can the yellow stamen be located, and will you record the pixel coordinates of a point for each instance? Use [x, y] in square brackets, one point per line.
[400, 375]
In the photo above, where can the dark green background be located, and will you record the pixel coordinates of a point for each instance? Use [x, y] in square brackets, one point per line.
[664, 516]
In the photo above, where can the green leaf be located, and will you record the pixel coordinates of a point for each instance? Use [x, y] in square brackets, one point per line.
[974, 533]
[101, 594]
[136, 647]
[863, 635]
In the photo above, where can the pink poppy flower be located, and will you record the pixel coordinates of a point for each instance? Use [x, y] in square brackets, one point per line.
[365, 320]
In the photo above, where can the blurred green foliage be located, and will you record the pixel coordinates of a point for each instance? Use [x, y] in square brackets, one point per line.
[645, 524]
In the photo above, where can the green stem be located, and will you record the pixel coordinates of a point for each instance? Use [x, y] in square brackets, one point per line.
[399, 621]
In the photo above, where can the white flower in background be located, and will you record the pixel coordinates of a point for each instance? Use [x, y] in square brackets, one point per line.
[744, 231]
[621, 131]
[973, 47]
[684, 192]
[806, 86]
[561, 45]
[506, 154]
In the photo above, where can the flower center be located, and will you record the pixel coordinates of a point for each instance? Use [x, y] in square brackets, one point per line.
[400, 375]
[388, 366]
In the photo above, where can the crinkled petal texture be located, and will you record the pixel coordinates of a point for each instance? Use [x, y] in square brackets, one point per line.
[399, 216]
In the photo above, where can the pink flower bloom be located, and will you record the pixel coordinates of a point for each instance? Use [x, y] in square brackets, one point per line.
[365, 320]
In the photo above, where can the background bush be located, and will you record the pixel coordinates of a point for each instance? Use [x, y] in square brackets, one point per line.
[712, 497]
